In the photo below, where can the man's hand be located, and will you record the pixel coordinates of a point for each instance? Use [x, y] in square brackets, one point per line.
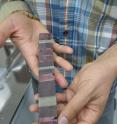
[24, 32]
[84, 100]
[87, 96]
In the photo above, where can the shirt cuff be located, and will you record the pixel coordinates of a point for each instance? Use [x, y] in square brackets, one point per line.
[10, 7]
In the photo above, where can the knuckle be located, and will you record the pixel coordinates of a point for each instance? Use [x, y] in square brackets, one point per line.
[59, 59]
[12, 24]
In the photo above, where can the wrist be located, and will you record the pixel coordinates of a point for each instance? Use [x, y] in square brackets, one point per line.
[109, 60]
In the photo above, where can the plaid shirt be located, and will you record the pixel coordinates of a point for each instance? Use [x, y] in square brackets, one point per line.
[88, 26]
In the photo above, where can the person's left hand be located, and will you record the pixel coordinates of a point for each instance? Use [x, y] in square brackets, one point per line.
[85, 99]
[87, 96]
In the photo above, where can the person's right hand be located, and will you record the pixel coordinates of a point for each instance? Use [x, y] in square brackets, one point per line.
[24, 32]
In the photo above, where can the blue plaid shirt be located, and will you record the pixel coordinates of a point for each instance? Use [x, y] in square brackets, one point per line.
[88, 26]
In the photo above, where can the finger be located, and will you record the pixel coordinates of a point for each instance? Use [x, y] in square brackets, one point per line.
[63, 63]
[60, 108]
[33, 64]
[34, 108]
[74, 106]
[36, 96]
[62, 49]
[60, 79]
[74, 85]
[61, 97]
[69, 94]
[6, 29]
[30, 51]
[65, 97]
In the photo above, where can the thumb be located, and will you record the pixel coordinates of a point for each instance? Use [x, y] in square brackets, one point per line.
[6, 29]
[30, 52]
[75, 105]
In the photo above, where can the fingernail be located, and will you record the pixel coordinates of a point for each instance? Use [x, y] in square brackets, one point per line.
[63, 120]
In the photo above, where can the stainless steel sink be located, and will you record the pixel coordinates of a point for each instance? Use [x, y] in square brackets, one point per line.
[14, 82]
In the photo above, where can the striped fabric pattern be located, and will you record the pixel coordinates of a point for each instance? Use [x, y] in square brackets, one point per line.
[88, 26]
[47, 90]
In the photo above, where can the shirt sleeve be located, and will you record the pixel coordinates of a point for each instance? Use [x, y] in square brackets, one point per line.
[7, 8]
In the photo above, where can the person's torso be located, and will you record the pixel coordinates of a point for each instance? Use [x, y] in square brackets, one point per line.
[88, 26]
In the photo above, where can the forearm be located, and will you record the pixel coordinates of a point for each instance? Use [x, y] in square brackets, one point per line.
[9, 6]
[109, 59]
